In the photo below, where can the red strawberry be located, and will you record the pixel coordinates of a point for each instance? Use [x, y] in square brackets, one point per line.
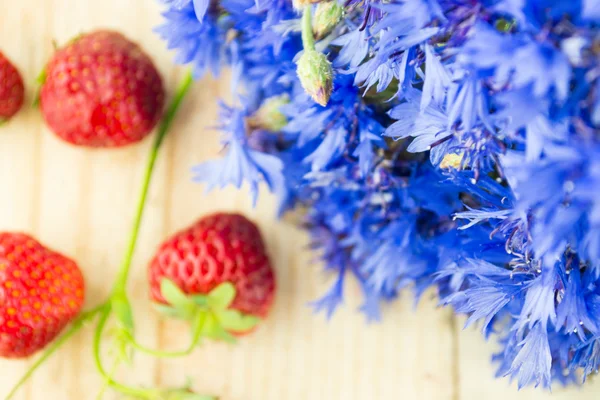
[218, 249]
[12, 90]
[102, 90]
[40, 293]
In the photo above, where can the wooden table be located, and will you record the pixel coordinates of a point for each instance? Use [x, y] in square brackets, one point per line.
[80, 202]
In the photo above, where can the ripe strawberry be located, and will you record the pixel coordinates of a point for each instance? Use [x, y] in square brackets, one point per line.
[217, 249]
[40, 293]
[12, 90]
[101, 90]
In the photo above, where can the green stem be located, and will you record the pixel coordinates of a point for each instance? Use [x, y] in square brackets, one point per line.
[121, 282]
[119, 289]
[76, 325]
[158, 140]
[308, 38]
[196, 336]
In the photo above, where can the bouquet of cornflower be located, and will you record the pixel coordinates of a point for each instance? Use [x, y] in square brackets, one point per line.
[446, 143]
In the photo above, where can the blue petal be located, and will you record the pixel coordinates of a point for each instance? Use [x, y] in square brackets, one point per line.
[200, 7]
[533, 361]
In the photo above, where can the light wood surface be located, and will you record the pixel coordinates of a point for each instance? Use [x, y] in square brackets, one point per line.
[80, 202]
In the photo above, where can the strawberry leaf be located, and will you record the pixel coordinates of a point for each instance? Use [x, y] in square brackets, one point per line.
[233, 320]
[177, 299]
[222, 296]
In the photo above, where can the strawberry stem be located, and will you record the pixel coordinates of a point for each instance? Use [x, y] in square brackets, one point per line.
[76, 325]
[158, 140]
[118, 296]
[118, 303]
[196, 337]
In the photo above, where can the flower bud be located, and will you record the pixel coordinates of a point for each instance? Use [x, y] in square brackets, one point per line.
[327, 16]
[269, 116]
[316, 76]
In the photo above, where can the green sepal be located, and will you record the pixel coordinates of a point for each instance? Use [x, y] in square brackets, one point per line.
[221, 297]
[184, 305]
[233, 320]
[213, 330]
[198, 324]
[209, 314]
[169, 311]
[3, 121]
[121, 342]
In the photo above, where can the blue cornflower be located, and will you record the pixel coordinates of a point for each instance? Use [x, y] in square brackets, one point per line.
[559, 190]
[197, 43]
[530, 59]
[437, 80]
[533, 361]
[516, 57]
[485, 299]
[572, 312]
[587, 357]
[333, 298]
[428, 127]
[354, 48]
[370, 12]
[336, 129]
[241, 164]
[276, 10]
[200, 6]
[475, 170]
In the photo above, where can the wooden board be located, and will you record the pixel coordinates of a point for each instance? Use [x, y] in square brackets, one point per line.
[81, 202]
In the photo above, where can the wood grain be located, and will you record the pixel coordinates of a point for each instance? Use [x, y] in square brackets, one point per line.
[80, 202]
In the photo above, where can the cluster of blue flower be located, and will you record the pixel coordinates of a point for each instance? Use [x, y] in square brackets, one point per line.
[446, 143]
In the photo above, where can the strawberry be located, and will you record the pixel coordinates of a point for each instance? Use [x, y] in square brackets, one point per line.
[219, 263]
[12, 90]
[41, 291]
[101, 90]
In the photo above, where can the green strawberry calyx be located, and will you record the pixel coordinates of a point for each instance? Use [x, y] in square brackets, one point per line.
[211, 315]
